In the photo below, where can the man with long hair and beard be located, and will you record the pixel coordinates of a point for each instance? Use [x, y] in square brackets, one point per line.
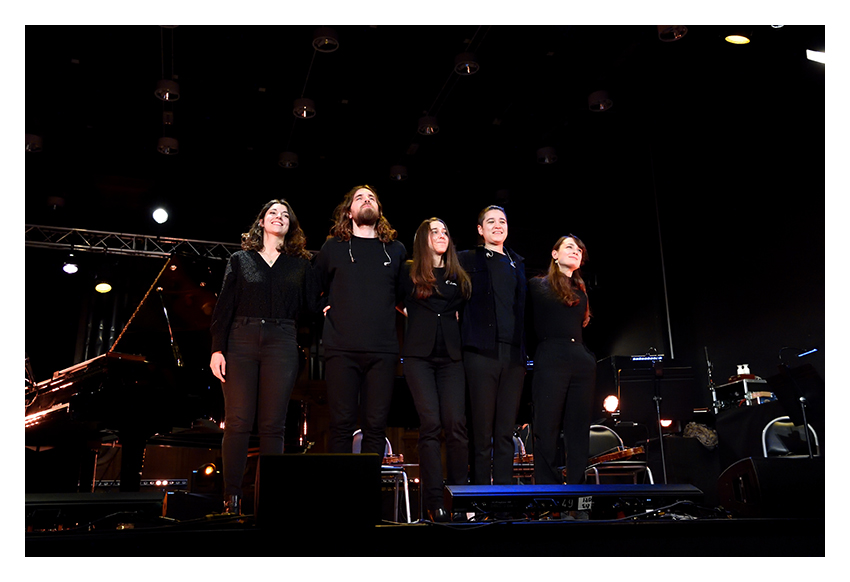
[357, 272]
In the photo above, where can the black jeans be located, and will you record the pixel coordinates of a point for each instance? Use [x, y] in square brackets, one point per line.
[495, 390]
[562, 395]
[360, 385]
[438, 389]
[262, 365]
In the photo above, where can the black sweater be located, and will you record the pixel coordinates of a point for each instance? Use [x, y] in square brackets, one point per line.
[253, 289]
[551, 317]
[360, 280]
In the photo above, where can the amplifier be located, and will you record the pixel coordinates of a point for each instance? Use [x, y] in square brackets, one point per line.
[534, 498]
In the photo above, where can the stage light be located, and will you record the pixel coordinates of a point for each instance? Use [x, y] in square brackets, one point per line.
[611, 403]
[160, 215]
[206, 479]
[817, 56]
[666, 423]
[102, 286]
[70, 265]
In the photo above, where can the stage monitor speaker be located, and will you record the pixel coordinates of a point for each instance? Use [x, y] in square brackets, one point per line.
[522, 498]
[319, 489]
[774, 487]
[61, 511]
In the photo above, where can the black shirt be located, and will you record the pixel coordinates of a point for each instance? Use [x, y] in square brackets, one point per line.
[251, 288]
[360, 280]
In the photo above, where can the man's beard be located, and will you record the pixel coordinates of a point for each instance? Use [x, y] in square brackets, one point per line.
[367, 216]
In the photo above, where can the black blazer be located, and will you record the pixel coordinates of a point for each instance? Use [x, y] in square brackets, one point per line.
[425, 315]
[478, 319]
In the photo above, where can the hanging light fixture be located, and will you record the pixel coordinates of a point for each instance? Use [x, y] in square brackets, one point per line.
[398, 173]
[34, 143]
[70, 266]
[547, 155]
[671, 33]
[325, 40]
[428, 125]
[167, 90]
[101, 285]
[168, 146]
[288, 160]
[739, 36]
[466, 64]
[599, 101]
[304, 108]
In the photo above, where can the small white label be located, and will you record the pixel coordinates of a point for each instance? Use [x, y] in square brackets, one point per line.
[584, 503]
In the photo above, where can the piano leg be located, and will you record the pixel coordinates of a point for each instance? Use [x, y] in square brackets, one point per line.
[132, 461]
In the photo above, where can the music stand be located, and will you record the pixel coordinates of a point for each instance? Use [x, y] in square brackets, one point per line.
[648, 395]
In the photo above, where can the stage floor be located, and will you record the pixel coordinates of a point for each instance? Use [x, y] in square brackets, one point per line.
[132, 524]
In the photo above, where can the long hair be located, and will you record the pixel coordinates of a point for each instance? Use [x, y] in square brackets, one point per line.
[565, 287]
[422, 270]
[294, 242]
[342, 223]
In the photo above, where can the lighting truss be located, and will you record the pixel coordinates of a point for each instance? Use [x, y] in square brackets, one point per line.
[113, 243]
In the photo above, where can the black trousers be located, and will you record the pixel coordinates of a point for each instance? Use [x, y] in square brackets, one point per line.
[438, 389]
[262, 366]
[495, 390]
[360, 387]
[562, 395]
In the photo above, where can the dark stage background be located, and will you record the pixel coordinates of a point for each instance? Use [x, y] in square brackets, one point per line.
[700, 194]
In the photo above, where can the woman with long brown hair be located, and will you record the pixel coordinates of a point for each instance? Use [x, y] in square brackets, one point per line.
[435, 288]
[564, 369]
[254, 348]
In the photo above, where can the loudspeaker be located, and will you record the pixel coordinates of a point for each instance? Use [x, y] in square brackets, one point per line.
[774, 487]
[60, 511]
[313, 490]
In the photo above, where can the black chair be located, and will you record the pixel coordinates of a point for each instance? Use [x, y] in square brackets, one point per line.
[782, 438]
[606, 444]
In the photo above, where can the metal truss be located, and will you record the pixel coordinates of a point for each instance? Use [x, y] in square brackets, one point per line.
[113, 243]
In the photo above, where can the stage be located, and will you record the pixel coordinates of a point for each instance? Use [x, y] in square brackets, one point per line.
[669, 521]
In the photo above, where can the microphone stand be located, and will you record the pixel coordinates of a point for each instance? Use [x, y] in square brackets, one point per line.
[657, 398]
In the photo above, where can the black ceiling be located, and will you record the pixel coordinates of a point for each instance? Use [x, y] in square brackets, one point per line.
[690, 118]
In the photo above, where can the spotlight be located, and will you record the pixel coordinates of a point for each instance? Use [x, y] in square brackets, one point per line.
[611, 403]
[102, 286]
[160, 215]
[206, 479]
[70, 265]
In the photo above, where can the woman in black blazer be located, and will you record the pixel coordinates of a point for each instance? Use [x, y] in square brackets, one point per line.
[435, 287]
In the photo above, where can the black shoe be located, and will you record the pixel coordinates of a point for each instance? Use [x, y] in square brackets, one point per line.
[438, 515]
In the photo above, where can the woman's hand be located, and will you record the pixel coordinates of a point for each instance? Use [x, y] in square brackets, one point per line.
[218, 365]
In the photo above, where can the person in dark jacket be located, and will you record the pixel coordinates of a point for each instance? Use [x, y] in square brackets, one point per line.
[358, 272]
[493, 347]
[254, 347]
[435, 287]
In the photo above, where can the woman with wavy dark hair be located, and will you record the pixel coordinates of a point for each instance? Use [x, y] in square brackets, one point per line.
[564, 369]
[435, 288]
[254, 348]
[358, 273]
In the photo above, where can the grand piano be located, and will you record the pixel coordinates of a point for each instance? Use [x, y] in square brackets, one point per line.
[152, 378]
